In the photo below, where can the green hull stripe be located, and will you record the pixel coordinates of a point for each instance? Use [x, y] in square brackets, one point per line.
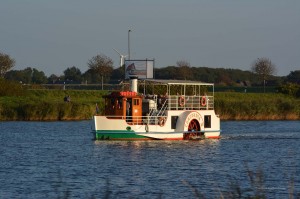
[118, 135]
[123, 135]
[115, 131]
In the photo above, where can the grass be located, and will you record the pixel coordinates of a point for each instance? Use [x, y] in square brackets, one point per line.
[43, 104]
[50, 105]
[257, 106]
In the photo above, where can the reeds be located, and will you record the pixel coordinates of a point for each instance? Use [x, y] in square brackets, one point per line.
[41, 105]
[256, 190]
[257, 106]
[49, 105]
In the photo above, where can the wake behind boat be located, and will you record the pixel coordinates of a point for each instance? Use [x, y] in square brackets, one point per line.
[164, 110]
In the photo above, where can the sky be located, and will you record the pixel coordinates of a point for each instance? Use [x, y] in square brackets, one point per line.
[52, 36]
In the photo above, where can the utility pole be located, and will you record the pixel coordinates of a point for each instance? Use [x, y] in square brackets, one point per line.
[129, 44]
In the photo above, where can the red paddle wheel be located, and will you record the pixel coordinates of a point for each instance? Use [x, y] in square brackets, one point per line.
[193, 131]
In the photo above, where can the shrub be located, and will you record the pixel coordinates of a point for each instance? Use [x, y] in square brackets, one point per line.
[10, 88]
[290, 89]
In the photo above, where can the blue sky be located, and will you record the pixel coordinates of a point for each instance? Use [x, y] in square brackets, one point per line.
[54, 35]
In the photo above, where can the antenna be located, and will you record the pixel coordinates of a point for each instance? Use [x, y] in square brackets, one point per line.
[122, 58]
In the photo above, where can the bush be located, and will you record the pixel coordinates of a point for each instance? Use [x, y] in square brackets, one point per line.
[290, 89]
[10, 88]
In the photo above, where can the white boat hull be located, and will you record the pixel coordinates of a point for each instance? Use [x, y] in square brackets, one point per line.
[106, 127]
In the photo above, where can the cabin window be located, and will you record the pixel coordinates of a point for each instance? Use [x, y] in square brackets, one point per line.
[136, 102]
[112, 102]
[120, 103]
[207, 121]
[174, 121]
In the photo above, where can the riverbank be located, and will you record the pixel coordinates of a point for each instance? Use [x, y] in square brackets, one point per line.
[49, 105]
[257, 106]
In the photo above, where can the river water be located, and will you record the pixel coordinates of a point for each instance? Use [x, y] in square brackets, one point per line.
[60, 160]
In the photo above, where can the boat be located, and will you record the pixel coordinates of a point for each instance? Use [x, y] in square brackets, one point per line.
[159, 110]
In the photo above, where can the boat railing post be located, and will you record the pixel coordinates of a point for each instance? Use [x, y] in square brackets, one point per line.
[148, 118]
[207, 103]
[176, 102]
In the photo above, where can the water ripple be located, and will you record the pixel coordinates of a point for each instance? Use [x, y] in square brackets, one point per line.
[51, 159]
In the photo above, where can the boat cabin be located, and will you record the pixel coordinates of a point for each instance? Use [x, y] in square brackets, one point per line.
[181, 96]
[159, 109]
[124, 104]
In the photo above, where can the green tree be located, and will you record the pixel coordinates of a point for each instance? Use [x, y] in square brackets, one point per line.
[290, 89]
[294, 77]
[87, 77]
[53, 78]
[14, 75]
[101, 68]
[119, 73]
[73, 74]
[22, 76]
[6, 63]
[38, 77]
[27, 76]
[169, 72]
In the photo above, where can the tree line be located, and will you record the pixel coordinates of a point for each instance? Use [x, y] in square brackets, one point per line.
[101, 70]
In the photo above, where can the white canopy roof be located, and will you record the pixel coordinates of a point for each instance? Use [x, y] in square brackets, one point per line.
[177, 82]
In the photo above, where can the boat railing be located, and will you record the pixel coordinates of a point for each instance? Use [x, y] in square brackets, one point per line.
[141, 120]
[180, 102]
[152, 112]
[162, 107]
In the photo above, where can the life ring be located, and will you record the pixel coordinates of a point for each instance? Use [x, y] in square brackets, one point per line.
[161, 121]
[203, 101]
[181, 101]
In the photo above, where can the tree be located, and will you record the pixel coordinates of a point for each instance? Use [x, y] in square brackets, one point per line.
[14, 75]
[290, 89]
[73, 74]
[169, 72]
[6, 63]
[23, 76]
[53, 79]
[101, 68]
[119, 73]
[264, 68]
[87, 77]
[294, 77]
[27, 76]
[38, 77]
[184, 69]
